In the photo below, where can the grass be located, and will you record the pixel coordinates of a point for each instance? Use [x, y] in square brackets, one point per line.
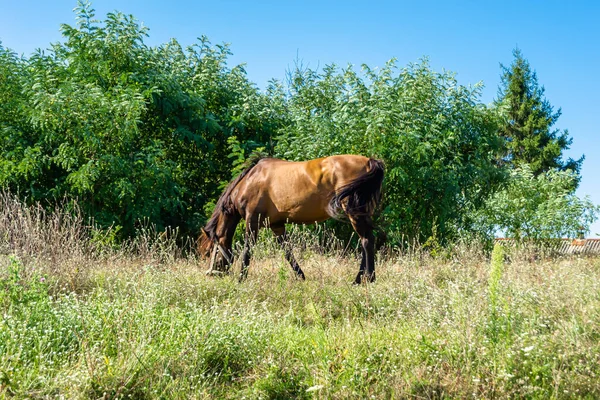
[143, 321]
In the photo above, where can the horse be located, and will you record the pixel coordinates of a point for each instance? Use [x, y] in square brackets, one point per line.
[271, 192]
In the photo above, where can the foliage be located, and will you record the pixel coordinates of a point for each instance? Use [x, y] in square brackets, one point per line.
[126, 326]
[438, 141]
[143, 136]
[527, 122]
[499, 319]
[133, 132]
[538, 207]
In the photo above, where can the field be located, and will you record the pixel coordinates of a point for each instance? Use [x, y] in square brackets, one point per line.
[143, 321]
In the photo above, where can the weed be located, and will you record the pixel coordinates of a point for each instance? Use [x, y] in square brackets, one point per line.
[141, 320]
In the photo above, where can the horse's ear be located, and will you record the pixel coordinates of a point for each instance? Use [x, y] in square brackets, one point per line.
[204, 243]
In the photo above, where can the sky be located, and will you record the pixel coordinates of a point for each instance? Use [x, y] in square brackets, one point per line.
[560, 39]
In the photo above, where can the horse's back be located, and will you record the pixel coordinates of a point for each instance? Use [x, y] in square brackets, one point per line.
[322, 174]
[297, 191]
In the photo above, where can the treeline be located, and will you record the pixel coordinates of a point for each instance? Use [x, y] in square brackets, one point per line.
[139, 133]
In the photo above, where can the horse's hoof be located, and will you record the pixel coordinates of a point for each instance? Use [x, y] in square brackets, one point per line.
[364, 279]
[214, 272]
[358, 279]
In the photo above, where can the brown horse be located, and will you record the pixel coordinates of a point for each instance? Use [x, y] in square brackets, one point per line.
[273, 192]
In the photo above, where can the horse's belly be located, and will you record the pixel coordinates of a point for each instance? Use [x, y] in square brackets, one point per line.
[304, 210]
[304, 216]
[295, 193]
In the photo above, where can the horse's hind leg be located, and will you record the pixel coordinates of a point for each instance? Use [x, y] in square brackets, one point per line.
[250, 240]
[282, 239]
[364, 228]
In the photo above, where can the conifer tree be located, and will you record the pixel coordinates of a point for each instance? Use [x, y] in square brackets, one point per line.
[528, 122]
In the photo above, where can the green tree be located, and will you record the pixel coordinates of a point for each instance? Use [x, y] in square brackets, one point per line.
[538, 207]
[133, 132]
[438, 141]
[17, 153]
[527, 123]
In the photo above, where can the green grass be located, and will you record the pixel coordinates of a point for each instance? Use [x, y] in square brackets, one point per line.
[130, 327]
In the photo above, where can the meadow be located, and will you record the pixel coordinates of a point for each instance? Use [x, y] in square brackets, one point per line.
[81, 318]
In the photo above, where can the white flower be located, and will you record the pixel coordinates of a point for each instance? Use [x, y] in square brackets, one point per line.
[527, 349]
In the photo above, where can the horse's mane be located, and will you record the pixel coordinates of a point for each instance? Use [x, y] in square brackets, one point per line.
[225, 203]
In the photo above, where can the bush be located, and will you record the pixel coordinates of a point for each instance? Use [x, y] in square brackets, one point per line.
[538, 207]
[439, 143]
[133, 132]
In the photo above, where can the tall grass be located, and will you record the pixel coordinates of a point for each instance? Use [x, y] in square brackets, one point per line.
[83, 318]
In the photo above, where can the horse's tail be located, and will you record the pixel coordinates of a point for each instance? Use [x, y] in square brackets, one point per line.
[362, 195]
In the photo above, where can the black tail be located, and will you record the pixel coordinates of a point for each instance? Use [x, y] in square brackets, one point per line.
[362, 195]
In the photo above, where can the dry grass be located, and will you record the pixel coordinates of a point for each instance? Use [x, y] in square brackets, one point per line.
[83, 318]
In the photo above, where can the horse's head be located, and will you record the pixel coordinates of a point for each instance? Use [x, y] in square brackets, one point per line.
[205, 244]
[215, 241]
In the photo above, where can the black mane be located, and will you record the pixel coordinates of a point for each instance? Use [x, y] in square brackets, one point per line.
[225, 203]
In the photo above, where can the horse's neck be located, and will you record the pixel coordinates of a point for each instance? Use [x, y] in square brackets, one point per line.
[231, 222]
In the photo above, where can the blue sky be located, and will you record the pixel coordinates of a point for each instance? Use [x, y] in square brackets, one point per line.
[560, 39]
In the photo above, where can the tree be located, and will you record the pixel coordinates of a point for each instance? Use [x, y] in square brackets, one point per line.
[527, 124]
[542, 207]
[132, 132]
[438, 141]
[16, 134]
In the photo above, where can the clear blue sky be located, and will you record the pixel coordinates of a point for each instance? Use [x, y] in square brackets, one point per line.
[560, 39]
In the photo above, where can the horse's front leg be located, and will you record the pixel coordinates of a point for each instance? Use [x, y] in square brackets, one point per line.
[249, 241]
